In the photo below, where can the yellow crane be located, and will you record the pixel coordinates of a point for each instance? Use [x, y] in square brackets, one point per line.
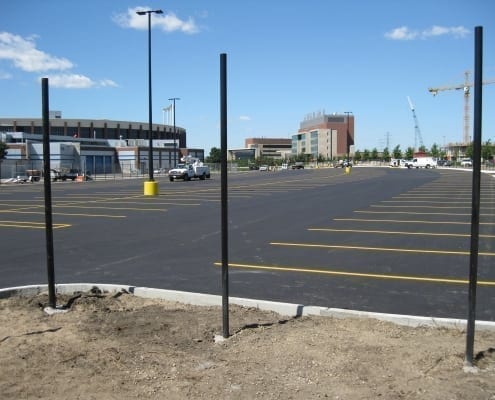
[466, 88]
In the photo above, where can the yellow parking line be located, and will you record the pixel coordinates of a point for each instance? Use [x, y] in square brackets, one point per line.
[65, 214]
[399, 221]
[110, 208]
[358, 274]
[413, 213]
[420, 206]
[398, 232]
[391, 249]
[30, 225]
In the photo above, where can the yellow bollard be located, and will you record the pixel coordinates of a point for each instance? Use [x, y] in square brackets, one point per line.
[347, 170]
[150, 188]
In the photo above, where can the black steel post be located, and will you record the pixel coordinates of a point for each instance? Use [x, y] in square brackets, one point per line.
[475, 207]
[150, 119]
[224, 194]
[50, 263]
[347, 135]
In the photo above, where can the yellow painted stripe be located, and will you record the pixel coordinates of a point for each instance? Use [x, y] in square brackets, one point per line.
[414, 213]
[391, 249]
[358, 274]
[65, 214]
[110, 208]
[30, 225]
[398, 232]
[421, 206]
[410, 222]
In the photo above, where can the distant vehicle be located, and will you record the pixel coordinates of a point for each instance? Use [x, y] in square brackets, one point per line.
[263, 167]
[34, 175]
[444, 163]
[345, 163]
[55, 175]
[188, 171]
[466, 162]
[298, 165]
[22, 178]
[71, 174]
[423, 162]
[399, 163]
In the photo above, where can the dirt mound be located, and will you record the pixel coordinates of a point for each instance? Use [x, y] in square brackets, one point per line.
[124, 347]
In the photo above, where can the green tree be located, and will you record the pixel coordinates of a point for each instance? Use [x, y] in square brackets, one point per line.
[215, 156]
[397, 152]
[469, 151]
[358, 156]
[435, 151]
[374, 154]
[423, 149]
[386, 154]
[409, 153]
[366, 155]
[487, 150]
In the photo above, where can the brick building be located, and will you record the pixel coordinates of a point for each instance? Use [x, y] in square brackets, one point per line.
[328, 136]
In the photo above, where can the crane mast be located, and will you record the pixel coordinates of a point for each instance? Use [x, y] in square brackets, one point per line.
[417, 132]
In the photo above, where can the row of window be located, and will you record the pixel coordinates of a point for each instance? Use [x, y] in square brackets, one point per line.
[98, 133]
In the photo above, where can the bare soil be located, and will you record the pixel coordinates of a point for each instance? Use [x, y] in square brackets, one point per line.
[126, 347]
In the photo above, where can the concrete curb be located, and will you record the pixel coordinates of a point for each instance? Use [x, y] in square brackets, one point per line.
[285, 309]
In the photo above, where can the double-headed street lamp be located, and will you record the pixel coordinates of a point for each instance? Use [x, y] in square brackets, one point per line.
[150, 187]
[175, 134]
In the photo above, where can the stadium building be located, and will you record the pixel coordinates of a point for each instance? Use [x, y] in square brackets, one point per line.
[93, 146]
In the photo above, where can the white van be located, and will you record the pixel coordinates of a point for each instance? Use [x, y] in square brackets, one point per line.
[423, 162]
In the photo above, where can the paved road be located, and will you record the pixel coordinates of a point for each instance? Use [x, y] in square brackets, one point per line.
[379, 239]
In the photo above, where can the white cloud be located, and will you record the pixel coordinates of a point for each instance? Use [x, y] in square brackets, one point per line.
[456, 31]
[22, 52]
[25, 56]
[404, 33]
[107, 82]
[77, 81]
[168, 22]
[245, 118]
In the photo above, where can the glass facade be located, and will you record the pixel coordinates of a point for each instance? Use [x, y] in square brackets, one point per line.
[314, 143]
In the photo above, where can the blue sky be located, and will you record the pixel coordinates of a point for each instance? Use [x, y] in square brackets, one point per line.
[285, 59]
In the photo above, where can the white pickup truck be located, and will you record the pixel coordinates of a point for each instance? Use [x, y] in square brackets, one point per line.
[187, 172]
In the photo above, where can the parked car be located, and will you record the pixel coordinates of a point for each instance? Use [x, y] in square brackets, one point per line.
[343, 164]
[55, 175]
[444, 163]
[298, 165]
[71, 174]
[263, 167]
[466, 162]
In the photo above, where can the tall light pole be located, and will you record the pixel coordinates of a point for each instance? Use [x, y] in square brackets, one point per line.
[175, 134]
[347, 134]
[150, 187]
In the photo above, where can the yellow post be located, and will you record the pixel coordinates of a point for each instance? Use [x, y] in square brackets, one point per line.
[347, 170]
[150, 188]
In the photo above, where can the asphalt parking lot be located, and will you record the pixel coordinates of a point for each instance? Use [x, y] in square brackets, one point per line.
[379, 239]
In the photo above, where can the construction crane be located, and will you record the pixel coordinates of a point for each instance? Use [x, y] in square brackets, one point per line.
[417, 131]
[466, 88]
